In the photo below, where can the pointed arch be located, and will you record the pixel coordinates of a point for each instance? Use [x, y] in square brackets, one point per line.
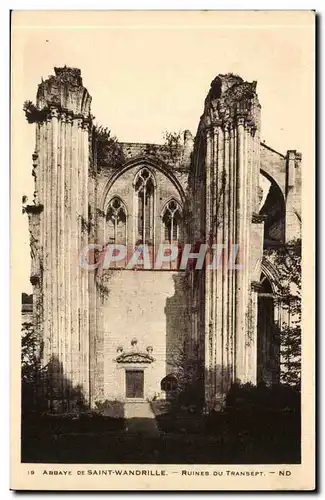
[144, 175]
[144, 186]
[271, 273]
[274, 207]
[172, 218]
[142, 162]
[116, 222]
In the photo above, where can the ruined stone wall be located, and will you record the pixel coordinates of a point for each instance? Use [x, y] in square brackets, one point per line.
[285, 171]
[147, 307]
[87, 333]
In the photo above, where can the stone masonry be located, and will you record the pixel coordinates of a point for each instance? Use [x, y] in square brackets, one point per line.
[119, 333]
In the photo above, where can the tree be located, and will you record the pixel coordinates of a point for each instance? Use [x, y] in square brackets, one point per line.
[29, 353]
[187, 367]
[287, 260]
[173, 145]
[32, 374]
[109, 151]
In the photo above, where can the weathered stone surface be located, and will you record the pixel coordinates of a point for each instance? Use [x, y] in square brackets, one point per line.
[202, 323]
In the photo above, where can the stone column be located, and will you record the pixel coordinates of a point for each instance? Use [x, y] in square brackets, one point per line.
[232, 118]
[67, 256]
[240, 240]
[61, 248]
[63, 116]
[207, 280]
[84, 273]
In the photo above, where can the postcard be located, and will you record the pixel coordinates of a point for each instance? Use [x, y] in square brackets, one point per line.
[162, 250]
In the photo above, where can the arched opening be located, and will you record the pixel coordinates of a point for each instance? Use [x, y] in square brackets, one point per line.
[144, 196]
[273, 206]
[116, 217]
[169, 385]
[268, 347]
[172, 219]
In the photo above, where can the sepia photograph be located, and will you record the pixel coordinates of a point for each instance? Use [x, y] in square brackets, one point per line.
[161, 210]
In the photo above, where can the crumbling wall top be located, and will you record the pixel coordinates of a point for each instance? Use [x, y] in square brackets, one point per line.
[229, 98]
[65, 91]
[68, 75]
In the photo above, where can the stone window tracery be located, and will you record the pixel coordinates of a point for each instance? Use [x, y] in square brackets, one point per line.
[144, 191]
[172, 217]
[116, 216]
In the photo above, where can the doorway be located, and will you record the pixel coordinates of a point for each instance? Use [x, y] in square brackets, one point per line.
[134, 384]
[268, 347]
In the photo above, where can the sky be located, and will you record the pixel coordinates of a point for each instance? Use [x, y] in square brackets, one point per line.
[150, 73]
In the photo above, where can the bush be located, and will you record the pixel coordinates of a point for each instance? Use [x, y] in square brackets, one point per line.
[261, 398]
[50, 425]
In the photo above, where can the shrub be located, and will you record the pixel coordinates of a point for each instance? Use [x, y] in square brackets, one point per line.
[261, 398]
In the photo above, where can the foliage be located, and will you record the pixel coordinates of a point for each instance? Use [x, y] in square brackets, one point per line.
[261, 398]
[32, 374]
[108, 150]
[33, 209]
[173, 145]
[30, 349]
[32, 113]
[189, 391]
[287, 260]
[103, 277]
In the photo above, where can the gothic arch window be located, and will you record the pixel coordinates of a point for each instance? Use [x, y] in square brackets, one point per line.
[172, 219]
[144, 186]
[116, 216]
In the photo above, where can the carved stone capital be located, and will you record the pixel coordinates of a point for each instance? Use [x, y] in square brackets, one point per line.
[216, 122]
[226, 128]
[86, 124]
[78, 119]
[215, 129]
[251, 129]
[54, 112]
[63, 116]
[240, 120]
[34, 209]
